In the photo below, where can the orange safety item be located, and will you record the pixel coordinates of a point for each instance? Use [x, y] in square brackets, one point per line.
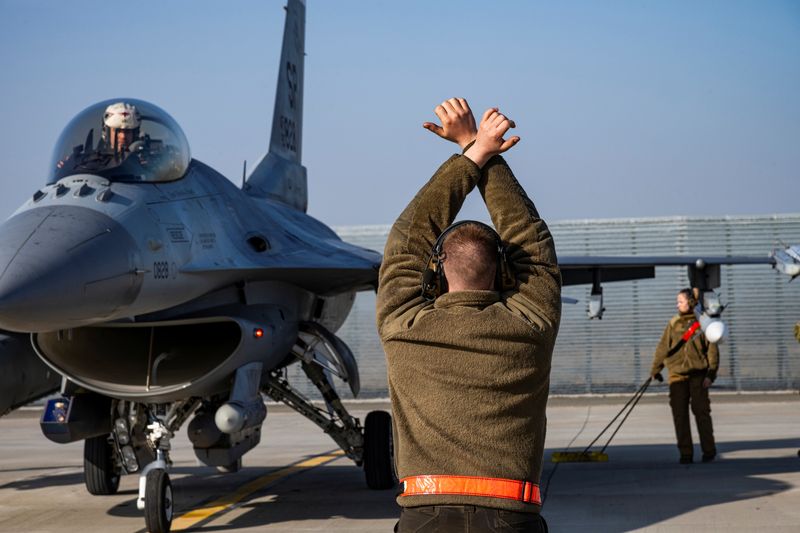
[509, 489]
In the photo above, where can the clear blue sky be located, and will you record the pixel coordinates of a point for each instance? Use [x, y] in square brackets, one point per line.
[636, 108]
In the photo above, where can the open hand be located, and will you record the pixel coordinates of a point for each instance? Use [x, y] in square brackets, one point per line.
[458, 123]
[490, 141]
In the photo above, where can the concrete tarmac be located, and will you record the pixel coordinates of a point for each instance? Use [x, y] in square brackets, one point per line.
[754, 484]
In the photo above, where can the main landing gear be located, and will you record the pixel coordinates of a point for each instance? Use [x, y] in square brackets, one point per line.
[101, 470]
[378, 453]
[321, 355]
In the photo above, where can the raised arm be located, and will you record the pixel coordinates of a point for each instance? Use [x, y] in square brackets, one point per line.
[414, 233]
[529, 246]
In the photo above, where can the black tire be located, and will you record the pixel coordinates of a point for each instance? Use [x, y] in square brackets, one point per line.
[158, 503]
[100, 472]
[378, 460]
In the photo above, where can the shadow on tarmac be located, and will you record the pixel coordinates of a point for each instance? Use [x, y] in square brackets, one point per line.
[642, 486]
[332, 492]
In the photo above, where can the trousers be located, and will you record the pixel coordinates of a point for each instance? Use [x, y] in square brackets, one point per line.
[682, 394]
[467, 518]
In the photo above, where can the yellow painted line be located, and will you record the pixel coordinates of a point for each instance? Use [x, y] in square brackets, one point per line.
[224, 503]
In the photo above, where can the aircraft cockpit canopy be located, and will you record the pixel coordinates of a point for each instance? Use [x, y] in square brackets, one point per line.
[122, 139]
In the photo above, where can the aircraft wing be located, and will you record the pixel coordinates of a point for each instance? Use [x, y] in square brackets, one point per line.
[579, 270]
[329, 268]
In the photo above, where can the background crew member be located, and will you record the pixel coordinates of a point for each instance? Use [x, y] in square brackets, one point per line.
[692, 362]
[469, 365]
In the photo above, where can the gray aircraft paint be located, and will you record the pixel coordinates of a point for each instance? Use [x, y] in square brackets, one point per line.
[86, 260]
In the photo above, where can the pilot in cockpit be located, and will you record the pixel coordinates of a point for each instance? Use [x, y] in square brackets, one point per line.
[120, 127]
[122, 140]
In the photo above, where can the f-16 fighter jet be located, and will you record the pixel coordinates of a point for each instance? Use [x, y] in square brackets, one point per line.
[163, 294]
[161, 291]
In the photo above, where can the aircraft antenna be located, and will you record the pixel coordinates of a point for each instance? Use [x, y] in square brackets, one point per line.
[244, 173]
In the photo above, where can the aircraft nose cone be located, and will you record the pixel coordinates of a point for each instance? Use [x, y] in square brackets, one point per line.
[62, 267]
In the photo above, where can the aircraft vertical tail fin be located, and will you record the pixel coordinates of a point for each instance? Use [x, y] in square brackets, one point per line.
[280, 175]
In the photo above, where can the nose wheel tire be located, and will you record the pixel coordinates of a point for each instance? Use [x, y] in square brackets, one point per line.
[378, 456]
[100, 472]
[158, 508]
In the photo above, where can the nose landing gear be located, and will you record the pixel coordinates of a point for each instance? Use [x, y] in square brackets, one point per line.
[158, 508]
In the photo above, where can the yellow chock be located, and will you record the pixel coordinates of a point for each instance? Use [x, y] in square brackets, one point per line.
[579, 457]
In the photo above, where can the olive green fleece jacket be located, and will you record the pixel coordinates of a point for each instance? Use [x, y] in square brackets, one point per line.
[469, 373]
[696, 355]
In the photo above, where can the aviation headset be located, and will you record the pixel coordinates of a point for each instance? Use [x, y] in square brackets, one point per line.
[434, 282]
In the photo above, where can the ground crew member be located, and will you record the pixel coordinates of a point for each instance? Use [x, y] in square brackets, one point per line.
[692, 363]
[468, 357]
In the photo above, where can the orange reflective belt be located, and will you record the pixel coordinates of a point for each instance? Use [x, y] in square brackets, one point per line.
[690, 331]
[510, 489]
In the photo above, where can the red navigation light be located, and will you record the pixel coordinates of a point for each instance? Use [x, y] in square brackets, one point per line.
[258, 333]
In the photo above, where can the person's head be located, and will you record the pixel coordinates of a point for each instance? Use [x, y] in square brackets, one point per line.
[470, 258]
[121, 125]
[685, 301]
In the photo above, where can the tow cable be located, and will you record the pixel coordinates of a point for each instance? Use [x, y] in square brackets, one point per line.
[595, 456]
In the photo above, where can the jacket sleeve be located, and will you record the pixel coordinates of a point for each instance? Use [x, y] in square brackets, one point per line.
[530, 250]
[411, 239]
[713, 361]
[661, 351]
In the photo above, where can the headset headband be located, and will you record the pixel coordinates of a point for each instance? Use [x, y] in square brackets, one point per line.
[439, 244]
[433, 279]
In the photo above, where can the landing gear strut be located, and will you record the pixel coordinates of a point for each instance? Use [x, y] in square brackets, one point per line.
[370, 447]
[158, 507]
[155, 489]
[141, 436]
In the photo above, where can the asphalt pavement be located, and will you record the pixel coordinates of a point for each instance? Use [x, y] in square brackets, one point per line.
[294, 481]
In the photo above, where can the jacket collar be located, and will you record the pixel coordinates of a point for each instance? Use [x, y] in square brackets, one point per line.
[478, 299]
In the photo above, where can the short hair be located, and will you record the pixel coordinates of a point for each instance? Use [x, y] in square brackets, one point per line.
[471, 255]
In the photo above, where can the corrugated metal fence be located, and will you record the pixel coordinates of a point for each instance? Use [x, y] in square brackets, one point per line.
[614, 354]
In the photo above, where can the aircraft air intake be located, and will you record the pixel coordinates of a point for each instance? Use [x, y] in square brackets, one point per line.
[156, 361]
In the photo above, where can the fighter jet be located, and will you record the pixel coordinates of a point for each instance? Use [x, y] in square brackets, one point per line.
[161, 293]
[160, 290]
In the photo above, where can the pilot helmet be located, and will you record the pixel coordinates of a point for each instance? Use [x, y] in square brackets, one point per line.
[120, 116]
